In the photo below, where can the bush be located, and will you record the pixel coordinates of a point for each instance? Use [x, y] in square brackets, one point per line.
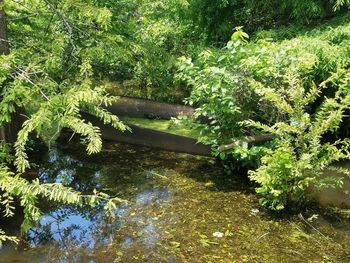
[295, 89]
[299, 154]
[219, 80]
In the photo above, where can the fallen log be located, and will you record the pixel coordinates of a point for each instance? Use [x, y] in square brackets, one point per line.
[135, 107]
[151, 138]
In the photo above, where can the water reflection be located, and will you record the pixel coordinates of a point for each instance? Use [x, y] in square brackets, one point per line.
[86, 231]
[176, 203]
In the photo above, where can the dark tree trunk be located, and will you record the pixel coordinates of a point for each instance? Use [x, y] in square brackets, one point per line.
[4, 44]
[8, 132]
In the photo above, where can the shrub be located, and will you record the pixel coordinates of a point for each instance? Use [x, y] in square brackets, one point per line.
[299, 154]
[296, 89]
[219, 80]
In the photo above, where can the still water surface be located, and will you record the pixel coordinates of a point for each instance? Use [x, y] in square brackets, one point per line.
[178, 208]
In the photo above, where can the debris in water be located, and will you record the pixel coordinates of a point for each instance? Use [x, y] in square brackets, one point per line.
[218, 234]
[254, 211]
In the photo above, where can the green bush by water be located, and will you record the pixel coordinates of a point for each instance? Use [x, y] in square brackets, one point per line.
[296, 89]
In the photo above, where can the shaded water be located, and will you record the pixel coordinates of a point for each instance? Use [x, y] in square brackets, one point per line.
[178, 207]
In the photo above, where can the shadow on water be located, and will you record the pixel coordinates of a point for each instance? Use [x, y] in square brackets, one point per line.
[181, 209]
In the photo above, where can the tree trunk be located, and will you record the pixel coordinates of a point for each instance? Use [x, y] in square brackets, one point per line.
[8, 132]
[4, 44]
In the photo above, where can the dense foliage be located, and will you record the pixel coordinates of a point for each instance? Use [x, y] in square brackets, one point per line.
[253, 81]
[290, 81]
[217, 18]
[299, 154]
[47, 75]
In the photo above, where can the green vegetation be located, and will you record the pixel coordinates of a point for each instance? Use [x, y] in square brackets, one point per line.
[175, 126]
[289, 78]
[296, 89]
[46, 71]
[299, 154]
[217, 18]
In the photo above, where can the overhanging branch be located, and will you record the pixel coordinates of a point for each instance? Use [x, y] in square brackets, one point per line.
[250, 140]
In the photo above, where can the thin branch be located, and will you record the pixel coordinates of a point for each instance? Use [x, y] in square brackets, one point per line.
[22, 17]
[248, 139]
[71, 137]
[260, 237]
[59, 14]
[23, 74]
[43, 94]
[21, 4]
[66, 24]
[5, 40]
[306, 222]
[54, 136]
[49, 24]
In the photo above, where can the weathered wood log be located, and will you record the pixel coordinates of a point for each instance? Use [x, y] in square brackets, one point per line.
[4, 44]
[250, 140]
[151, 138]
[135, 107]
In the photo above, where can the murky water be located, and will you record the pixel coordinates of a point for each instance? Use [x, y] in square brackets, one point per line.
[181, 208]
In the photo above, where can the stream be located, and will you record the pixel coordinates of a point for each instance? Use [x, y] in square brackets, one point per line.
[181, 208]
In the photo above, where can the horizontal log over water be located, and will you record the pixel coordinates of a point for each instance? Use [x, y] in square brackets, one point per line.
[250, 140]
[151, 138]
[135, 107]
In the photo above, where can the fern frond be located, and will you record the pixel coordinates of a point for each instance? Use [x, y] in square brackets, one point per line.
[4, 237]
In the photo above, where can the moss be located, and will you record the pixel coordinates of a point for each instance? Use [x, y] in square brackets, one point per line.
[165, 126]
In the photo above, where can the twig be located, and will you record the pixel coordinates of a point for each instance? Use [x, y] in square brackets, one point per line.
[22, 17]
[71, 137]
[49, 24]
[21, 4]
[5, 40]
[23, 74]
[262, 236]
[25, 116]
[44, 95]
[53, 136]
[305, 221]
